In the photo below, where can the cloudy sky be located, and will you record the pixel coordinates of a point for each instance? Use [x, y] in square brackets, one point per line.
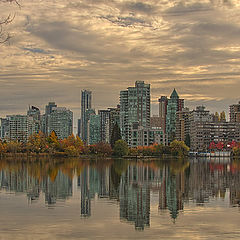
[59, 47]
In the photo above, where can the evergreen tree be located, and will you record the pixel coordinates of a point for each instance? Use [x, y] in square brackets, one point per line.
[187, 140]
[116, 135]
[120, 148]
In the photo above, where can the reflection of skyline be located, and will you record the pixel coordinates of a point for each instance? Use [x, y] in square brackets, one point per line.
[135, 196]
[131, 185]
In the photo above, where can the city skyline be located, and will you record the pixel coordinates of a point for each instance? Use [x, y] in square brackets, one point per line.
[77, 113]
[106, 47]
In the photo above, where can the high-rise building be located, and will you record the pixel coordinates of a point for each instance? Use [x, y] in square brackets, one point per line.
[155, 121]
[105, 125]
[114, 119]
[34, 120]
[49, 107]
[174, 104]
[86, 104]
[45, 117]
[108, 118]
[79, 127]
[60, 120]
[4, 128]
[124, 124]
[134, 108]
[94, 135]
[235, 112]
[18, 128]
[163, 101]
[201, 115]
[182, 124]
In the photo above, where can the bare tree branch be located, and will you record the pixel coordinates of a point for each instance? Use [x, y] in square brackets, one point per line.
[5, 36]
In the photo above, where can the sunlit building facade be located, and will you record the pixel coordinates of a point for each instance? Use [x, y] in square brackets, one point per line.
[134, 109]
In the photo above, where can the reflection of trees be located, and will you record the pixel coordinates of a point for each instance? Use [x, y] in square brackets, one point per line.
[128, 182]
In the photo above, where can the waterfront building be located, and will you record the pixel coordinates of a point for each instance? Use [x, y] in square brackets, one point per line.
[206, 128]
[182, 124]
[147, 136]
[4, 128]
[163, 102]
[124, 125]
[201, 122]
[18, 128]
[201, 115]
[34, 120]
[79, 127]
[94, 129]
[45, 117]
[86, 104]
[60, 120]
[203, 133]
[174, 104]
[114, 118]
[234, 112]
[105, 125]
[134, 108]
[49, 107]
[109, 118]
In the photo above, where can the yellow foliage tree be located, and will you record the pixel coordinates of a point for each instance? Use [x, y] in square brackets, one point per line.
[37, 143]
[53, 142]
[179, 148]
[222, 116]
[2, 148]
[72, 145]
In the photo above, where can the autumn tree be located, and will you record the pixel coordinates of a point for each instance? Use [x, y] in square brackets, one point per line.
[103, 149]
[2, 148]
[37, 143]
[53, 142]
[216, 117]
[72, 145]
[222, 117]
[179, 148]
[158, 149]
[236, 151]
[14, 147]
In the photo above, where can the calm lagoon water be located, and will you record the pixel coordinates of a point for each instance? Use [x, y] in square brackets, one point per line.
[73, 199]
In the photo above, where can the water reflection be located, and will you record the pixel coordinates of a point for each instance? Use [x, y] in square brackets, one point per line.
[130, 184]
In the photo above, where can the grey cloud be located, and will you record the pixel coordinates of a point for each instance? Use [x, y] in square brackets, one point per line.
[35, 50]
[125, 21]
[139, 7]
[89, 44]
[107, 45]
[181, 8]
[225, 31]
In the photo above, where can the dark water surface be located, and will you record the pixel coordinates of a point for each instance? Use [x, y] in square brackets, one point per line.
[73, 199]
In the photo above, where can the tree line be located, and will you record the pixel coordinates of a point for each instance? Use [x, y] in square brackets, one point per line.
[73, 146]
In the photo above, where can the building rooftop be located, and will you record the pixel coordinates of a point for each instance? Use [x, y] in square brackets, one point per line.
[174, 94]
